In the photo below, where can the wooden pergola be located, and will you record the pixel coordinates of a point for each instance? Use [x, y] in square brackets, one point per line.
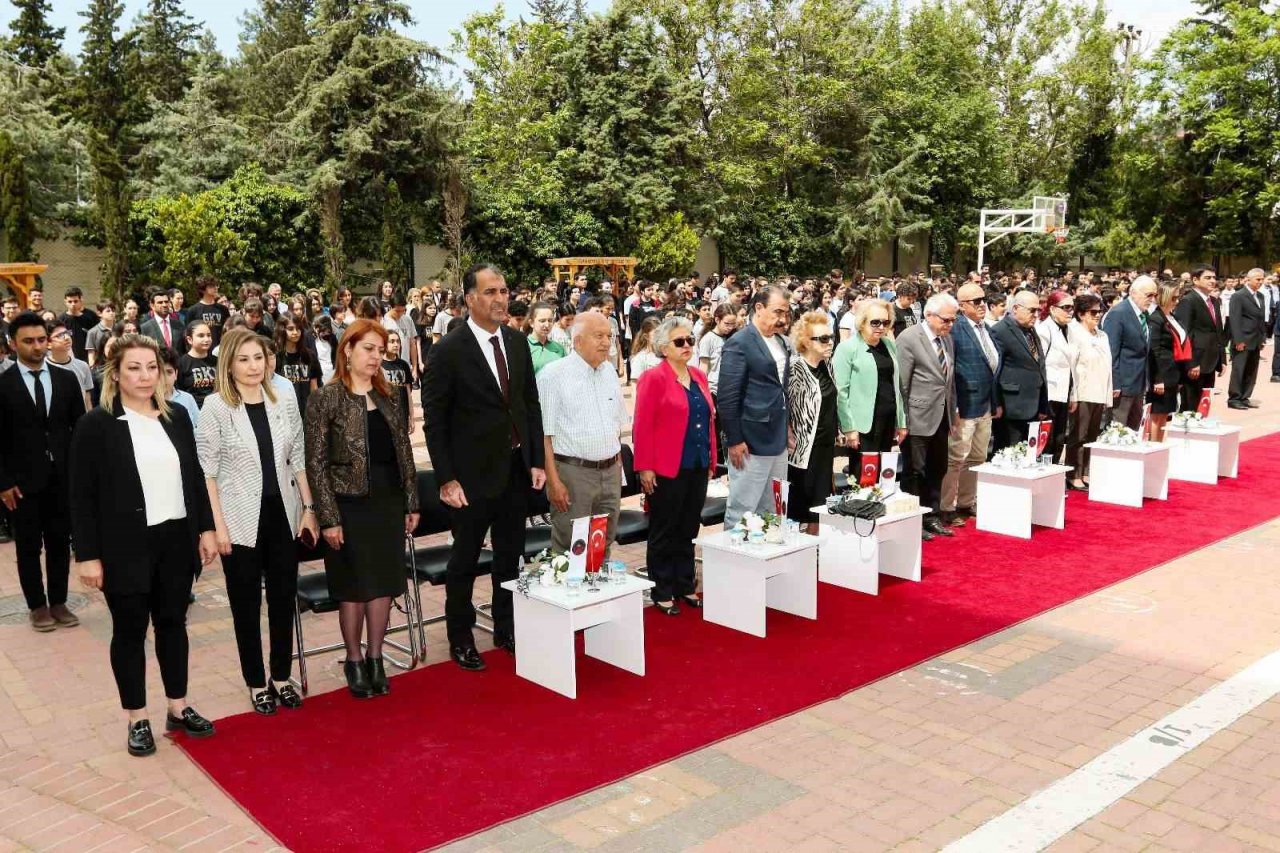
[567, 269]
[21, 279]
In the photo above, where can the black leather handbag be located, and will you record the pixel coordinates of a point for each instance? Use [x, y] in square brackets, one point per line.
[860, 511]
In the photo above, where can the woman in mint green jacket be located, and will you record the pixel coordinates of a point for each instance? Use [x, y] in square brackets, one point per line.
[869, 395]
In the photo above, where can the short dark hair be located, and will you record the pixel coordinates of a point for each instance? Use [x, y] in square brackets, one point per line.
[204, 282]
[593, 302]
[518, 308]
[25, 319]
[397, 300]
[159, 291]
[168, 357]
[764, 294]
[74, 291]
[1087, 302]
[106, 305]
[469, 277]
[1200, 269]
[906, 288]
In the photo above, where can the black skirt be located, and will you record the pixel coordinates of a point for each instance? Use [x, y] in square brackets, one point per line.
[370, 563]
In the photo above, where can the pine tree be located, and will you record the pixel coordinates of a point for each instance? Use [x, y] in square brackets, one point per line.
[106, 107]
[270, 67]
[15, 203]
[166, 40]
[33, 41]
[396, 238]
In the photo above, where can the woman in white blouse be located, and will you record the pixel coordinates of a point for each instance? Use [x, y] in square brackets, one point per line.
[1092, 379]
[142, 528]
[251, 449]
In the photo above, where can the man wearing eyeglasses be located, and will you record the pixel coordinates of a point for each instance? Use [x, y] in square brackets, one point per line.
[926, 367]
[1130, 340]
[1021, 383]
[977, 401]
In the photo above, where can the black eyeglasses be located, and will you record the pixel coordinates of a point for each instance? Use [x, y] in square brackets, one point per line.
[822, 339]
[877, 324]
[681, 342]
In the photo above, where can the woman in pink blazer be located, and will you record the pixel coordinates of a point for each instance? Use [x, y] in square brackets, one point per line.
[675, 448]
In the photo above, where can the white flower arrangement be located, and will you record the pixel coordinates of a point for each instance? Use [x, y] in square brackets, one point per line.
[547, 568]
[1015, 456]
[1186, 420]
[755, 528]
[1118, 435]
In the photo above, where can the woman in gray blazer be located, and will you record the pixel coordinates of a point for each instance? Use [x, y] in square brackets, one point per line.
[251, 449]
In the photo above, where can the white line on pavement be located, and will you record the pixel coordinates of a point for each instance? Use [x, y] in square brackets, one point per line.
[1050, 814]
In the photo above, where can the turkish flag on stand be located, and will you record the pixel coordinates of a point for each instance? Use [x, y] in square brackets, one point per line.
[870, 470]
[1046, 433]
[597, 539]
[1206, 400]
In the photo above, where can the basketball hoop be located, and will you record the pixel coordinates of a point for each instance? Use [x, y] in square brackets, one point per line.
[1060, 234]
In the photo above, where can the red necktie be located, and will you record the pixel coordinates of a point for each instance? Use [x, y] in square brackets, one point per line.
[168, 336]
[1212, 314]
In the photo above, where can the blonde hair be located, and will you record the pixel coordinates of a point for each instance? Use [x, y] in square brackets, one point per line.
[803, 329]
[111, 373]
[230, 346]
[864, 310]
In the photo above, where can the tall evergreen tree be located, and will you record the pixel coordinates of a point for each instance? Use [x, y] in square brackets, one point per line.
[15, 203]
[34, 42]
[396, 239]
[107, 107]
[272, 46]
[165, 37]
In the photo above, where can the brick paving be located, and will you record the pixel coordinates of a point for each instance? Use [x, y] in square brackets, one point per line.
[908, 763]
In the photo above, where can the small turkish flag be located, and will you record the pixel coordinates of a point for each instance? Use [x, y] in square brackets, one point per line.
[597, 540]
[1046, 433]
[870, 470]
[1206, 400]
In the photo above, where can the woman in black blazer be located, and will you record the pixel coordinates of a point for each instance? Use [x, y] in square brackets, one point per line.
[142, 529]
[1168, 359]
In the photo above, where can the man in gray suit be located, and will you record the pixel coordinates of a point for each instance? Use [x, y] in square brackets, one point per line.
[926, 365]
[1247, 324]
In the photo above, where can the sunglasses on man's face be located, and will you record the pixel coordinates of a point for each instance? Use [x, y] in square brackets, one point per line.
[821, 339]
[681, 343]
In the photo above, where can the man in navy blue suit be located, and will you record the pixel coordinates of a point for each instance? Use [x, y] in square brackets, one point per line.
[752, 404]
[977, 363]
[1130, 340]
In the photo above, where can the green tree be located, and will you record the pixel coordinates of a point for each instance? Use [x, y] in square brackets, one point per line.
[107, 108]
[15, 203]
[165, 39]
[397, 239]
[192, 237]
[667, 248]
[33, 41]
[269, 70]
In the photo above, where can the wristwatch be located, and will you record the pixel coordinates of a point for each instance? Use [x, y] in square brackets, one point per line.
[308, 507]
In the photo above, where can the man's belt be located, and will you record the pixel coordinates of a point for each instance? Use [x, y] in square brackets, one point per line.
[587, 463]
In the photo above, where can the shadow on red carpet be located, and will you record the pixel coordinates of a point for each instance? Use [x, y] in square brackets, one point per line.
[450, 753]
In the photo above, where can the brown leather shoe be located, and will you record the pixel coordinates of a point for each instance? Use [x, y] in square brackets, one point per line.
[42, 620]
[63, 616]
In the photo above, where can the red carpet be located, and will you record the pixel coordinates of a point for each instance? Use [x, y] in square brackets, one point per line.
[450, 753]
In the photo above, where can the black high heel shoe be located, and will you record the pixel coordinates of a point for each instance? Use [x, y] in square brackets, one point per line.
[377, 676]
[357, 679]
[691, 601]
[671, 609]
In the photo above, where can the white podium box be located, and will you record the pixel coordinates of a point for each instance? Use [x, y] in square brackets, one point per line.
[548, 618]
[1126, 475]
[1010, 500]
[1203, 454]
[856, 562]
[740, 581]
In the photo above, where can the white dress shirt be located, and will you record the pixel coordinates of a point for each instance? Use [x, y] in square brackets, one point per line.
[29, 379]
[158, 468]
[487, 348]
[582, 408]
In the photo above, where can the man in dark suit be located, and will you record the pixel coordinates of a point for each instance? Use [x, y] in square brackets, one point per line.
[1021, 384]
[163, 326]
[1130, 341]
[1200, 315]
[484, 434]
[752, 404]
[978, 402]
[1247, 322]
[39, 407]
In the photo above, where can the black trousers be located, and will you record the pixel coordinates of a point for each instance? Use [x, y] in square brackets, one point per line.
[675, 517]
[926, 465]
[1189, 394]
[1007, 432]
[1058, 438]
[273, 560]
[42, 520]
[1086, 423]
[503, 517]
[1244, 374]
[165, 607]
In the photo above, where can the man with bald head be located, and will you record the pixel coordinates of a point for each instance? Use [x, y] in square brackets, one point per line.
[1246, 321]
[1022, 387]
[1130, 340]
[977, 363]
[583, 415]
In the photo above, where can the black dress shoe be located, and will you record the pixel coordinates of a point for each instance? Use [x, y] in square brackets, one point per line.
[190, 722]
[287, 696]
[377, 676]
[937, 528]
[1073, 487]
[671, 609]
[467, 657]
[953, 519]
[925, 535]
[357, 679]
[263, 702]
[141, 741]
[691, 601]
[507, 644]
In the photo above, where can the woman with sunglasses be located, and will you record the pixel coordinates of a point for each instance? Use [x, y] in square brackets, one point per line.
[1169, 359]
[811, 418]
[675, 445]
[868, 392]
[1091, 376]
[1059, 358]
